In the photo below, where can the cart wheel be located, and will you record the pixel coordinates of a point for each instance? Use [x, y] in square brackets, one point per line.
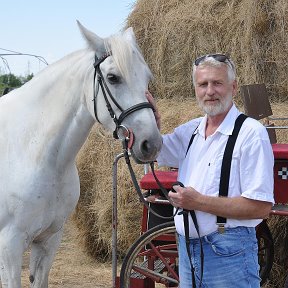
[153, 258]
[265, 250]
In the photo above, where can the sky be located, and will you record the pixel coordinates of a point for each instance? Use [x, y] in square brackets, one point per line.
[48, 29]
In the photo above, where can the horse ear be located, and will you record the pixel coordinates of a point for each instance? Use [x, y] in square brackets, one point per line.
[94, 42]
[129, 35]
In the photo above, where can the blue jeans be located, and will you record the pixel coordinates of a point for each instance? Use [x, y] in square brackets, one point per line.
[230, 260]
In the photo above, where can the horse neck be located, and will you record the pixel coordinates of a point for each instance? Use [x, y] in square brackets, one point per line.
[62, 112]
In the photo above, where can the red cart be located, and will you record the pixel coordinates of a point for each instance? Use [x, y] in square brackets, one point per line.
[153, 258]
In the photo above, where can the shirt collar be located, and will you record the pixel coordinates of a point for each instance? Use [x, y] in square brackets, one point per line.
[226, 127]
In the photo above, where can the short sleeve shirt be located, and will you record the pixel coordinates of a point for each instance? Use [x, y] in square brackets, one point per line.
[251, 173]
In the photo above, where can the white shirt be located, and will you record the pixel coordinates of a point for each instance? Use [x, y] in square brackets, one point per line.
[251, 169]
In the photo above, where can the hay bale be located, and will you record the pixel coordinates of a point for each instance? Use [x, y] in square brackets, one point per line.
[93, 214]
[172, 33]
[279, 229]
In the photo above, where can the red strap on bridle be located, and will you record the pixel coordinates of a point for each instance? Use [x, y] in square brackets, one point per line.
[131, 139]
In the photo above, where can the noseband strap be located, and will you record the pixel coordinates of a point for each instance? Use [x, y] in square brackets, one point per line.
[104, 87]
[134, 108]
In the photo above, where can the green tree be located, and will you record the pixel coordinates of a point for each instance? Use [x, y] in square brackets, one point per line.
[29, 77]
[11, 81]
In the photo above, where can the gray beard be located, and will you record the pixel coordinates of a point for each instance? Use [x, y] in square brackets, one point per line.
[213, 110]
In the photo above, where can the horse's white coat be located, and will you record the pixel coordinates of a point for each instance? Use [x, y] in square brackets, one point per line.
[43, 125]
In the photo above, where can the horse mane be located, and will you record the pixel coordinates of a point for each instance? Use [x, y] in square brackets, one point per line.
[122, 52]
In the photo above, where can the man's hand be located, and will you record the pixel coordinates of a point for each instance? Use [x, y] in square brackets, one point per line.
[151, 100]
[185, 197]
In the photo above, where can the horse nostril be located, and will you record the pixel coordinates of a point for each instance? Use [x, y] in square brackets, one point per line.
[147, 150]
[145, 147]
[31, 279]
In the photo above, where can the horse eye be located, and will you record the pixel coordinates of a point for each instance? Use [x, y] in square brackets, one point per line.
[113, 79]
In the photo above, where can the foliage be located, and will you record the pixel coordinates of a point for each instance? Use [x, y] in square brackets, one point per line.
[12, 81]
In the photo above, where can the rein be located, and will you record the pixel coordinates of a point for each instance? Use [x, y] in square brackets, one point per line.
[105, 90]
[137, 187]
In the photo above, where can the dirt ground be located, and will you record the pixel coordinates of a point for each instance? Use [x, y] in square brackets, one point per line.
[72, 267]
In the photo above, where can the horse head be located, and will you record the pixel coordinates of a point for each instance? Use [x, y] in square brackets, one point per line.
[120, 79]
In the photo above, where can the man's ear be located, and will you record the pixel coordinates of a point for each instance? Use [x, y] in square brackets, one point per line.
[234, 87]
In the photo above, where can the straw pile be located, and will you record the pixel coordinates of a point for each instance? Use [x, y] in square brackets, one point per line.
[279, 229]
[93, 214]
[171, 34]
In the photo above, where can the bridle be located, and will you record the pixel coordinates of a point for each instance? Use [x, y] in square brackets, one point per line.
[105, 90]
[127, 141]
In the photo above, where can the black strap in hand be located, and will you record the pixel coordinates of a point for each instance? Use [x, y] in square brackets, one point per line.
[185, 214]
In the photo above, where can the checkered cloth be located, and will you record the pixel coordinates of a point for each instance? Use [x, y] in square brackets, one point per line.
[283, 173]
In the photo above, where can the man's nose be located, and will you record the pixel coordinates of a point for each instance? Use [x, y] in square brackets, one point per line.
[210, 89]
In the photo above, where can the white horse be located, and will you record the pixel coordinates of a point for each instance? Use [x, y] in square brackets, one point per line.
[44, 124]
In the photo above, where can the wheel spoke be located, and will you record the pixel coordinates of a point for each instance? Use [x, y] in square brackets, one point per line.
[161, 278]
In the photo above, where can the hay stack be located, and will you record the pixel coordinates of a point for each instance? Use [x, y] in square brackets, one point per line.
[93, 214]
[172, 33]
[279, 229]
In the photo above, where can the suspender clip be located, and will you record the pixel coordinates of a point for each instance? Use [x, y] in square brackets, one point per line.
[221, 227]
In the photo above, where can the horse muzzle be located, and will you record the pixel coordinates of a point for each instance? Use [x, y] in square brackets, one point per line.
[146, 149]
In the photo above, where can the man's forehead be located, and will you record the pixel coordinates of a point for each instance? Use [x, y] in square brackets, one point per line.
[219, 72]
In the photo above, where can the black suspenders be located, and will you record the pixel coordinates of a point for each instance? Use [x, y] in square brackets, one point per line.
[226, 166]
[223, 192]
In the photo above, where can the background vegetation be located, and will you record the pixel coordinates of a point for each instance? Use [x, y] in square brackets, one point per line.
[12, 81]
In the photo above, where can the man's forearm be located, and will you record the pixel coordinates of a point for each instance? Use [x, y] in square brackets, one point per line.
[233, 208]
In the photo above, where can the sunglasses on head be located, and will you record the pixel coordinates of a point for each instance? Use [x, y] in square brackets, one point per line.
[219, 57]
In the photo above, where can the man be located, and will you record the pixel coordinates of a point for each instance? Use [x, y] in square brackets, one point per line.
[230, 257]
